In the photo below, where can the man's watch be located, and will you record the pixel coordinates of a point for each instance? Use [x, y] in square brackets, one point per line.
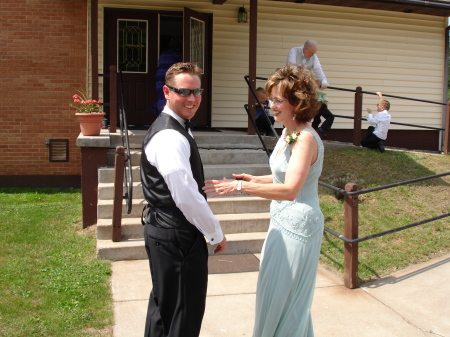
[239, 186]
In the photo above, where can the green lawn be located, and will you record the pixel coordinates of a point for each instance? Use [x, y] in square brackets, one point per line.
[51, 282]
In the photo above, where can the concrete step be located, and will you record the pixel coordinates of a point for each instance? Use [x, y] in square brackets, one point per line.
[132, 228]
[219, 205]
[106, 191]
[106, 174]
[236, 204]
[136, 137]
[209, 156]
[220, 171]
[233, 156]
[134, 249]
[205, 140]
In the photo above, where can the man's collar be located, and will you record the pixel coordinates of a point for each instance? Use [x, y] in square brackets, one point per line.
[174, 115]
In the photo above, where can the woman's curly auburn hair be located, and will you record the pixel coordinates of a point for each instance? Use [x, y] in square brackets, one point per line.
[299, 86]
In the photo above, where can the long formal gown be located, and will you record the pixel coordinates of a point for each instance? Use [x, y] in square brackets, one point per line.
[290, 254]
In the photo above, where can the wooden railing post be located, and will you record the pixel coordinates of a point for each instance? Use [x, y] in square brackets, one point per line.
[447, 130]
[91, 159]
[358, 116]
[119, 166]
[112, 99]
[351, 232]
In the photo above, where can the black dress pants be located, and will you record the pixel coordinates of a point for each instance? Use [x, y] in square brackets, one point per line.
[325, 113]
[179, 269]
[370, 140]
[263, 125]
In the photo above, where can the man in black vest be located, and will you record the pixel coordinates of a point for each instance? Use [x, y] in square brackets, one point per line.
[177, 218]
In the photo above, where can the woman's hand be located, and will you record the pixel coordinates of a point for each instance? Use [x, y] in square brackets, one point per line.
[220, 187]
[245, 177]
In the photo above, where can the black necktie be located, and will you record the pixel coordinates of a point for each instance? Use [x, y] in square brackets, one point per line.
[187, 124]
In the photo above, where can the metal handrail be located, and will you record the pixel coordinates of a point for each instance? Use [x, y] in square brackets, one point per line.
[397, 123]
[365, 92]
[384, 187]
[262, 108]
[387, 95]
[376, 235]
[128, 177]
[257, 131]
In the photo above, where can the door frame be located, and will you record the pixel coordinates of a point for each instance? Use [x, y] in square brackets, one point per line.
[206, 105]
[95, 55]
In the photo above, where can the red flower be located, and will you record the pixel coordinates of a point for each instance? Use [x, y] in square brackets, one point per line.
[84, 105]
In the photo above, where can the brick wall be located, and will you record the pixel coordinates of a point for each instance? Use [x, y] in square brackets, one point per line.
[43, 58]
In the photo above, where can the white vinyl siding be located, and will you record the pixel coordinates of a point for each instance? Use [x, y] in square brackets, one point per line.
[396, 53]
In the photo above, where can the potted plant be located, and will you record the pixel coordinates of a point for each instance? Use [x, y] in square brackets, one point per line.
[89, 114]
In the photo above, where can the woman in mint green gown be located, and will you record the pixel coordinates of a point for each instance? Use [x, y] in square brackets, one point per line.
[290, 253]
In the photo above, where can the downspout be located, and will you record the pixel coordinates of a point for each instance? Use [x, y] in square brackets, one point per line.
[253, 30]
[444, 142]
[94, 48]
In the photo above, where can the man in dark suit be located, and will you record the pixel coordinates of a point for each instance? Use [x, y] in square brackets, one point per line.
[177, 218]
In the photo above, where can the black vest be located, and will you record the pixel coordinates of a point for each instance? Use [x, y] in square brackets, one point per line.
[155, 188]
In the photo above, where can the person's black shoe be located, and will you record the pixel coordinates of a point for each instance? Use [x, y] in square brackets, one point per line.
[381, 146]
[321, 132]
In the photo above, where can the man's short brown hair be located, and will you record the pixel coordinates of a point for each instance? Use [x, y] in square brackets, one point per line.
[182, 68]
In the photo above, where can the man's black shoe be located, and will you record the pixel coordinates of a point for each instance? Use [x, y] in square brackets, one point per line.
[321, 132]
[381, 146]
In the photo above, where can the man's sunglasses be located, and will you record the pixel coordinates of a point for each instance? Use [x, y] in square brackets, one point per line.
[186, 92]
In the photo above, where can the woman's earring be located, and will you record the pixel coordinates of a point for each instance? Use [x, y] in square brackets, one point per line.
[293, 118]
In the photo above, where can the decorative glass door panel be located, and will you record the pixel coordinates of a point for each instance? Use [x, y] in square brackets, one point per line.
[197, 42]
[197, 48]
[132, 45]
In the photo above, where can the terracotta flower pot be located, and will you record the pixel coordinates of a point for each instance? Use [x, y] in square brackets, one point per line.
[90, 123]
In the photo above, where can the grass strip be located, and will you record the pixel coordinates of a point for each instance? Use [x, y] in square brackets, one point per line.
[51, 282]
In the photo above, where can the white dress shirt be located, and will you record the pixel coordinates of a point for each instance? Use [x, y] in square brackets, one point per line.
[295, 56]
[381, 121]
[169, 152]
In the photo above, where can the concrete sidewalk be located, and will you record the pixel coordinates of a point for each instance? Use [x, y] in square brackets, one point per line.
[409, 303]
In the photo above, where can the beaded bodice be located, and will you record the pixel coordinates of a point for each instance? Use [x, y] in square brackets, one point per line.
[302, 217]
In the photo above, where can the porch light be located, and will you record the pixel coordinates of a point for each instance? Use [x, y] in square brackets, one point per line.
[242, 15]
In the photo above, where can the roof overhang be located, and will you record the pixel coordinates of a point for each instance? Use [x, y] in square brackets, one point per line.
[434, 7]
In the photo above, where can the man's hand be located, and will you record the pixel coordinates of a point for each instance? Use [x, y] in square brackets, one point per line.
[221, 246]
[369, 110]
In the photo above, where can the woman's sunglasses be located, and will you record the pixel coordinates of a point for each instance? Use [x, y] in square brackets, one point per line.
[186, 92]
